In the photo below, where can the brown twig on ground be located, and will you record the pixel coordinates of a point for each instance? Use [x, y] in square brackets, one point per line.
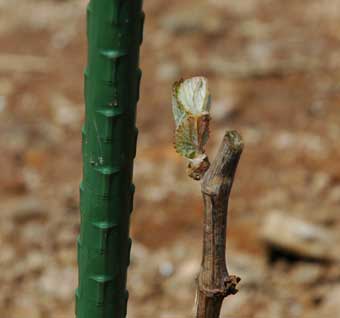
[214, 281]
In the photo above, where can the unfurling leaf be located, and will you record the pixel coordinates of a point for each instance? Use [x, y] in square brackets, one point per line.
[191, 105]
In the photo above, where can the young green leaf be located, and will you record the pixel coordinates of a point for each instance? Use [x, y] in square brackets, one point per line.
[191, 105]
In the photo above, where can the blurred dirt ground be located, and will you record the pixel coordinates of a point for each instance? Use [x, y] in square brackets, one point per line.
[273, 68]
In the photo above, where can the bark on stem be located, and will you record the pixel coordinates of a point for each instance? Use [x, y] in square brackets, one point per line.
[214, 281]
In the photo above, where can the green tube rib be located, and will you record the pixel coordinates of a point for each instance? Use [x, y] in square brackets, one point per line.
[109, 135]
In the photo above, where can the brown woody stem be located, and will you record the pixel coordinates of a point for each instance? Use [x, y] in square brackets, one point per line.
[214, 281]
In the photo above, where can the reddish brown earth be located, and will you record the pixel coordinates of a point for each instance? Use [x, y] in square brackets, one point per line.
[273, 68]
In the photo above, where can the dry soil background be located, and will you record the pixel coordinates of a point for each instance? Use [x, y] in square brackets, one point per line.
[273, 68]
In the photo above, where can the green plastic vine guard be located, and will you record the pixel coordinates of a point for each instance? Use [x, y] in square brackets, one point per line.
[112, 78]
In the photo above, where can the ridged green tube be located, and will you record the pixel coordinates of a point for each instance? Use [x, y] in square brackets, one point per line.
[112, 78]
